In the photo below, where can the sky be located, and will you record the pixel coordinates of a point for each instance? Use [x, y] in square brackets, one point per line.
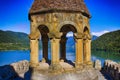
[105, 15]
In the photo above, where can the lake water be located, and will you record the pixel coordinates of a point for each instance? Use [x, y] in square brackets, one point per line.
[8, 57]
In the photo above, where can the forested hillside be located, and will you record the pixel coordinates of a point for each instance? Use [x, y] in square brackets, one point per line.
[108, 42]
[13, 40]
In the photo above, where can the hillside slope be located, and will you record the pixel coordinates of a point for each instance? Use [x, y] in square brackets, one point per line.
[10, 40]
[13, 40]
[109, 41]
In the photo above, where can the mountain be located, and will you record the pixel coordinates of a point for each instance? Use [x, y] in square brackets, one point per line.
[109, 41]
[94, 37]
[10, 40]
[70, 45]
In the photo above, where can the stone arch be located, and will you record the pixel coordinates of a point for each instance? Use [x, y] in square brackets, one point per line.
[86, 45]
[66, 23]
[66, 28]
[44, 30]
[45, 25]
[86, 30]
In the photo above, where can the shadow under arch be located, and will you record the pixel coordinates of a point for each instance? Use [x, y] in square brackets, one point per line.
[66, 29]
[86, 30]
[60, 26]
[86, 35]
[44, 30]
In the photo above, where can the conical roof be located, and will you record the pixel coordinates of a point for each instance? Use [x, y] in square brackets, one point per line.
[59, 5]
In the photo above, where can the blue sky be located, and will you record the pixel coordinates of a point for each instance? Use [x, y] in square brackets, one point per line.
[105, 15]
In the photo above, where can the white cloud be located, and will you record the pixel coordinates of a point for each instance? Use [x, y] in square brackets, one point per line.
[100, 33]
[70, 34]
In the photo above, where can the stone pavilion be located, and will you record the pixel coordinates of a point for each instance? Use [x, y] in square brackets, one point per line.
[52, 20]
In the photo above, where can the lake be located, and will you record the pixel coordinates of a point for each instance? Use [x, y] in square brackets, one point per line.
[8, 57]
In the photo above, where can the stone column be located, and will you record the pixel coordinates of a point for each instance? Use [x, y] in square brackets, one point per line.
[34, 54]
[63, 48]
[55, 51]
[87, 51]
[45, 48]
[79, 53]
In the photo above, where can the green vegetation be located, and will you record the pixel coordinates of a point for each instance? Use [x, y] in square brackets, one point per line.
[107, 55]
[13, 40]
[108, 42]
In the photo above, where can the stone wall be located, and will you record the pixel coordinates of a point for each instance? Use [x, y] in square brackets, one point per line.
[14, 70]
[112, 68]
[21, 67]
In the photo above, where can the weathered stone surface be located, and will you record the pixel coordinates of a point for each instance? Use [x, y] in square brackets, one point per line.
[14, 70]
[69, 15]
[55, 68]
[66, 66]
[43, 60]
[112, 68]
[61, 5]
[21, 67]
[55, 27]
[88, 74]
[43, 66]
[98, 65]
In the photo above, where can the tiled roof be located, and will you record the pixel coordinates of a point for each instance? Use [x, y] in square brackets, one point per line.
[63, 5]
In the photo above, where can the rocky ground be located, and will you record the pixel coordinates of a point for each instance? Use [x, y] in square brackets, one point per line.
[21, 71]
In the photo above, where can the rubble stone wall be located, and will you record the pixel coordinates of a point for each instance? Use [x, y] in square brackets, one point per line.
[112, 68]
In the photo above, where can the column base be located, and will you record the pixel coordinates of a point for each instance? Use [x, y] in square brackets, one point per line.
[55, 68]
[88, 64]
[79, 66]
[34, 65]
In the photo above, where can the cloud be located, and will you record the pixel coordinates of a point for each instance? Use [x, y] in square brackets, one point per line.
[100, 33]
[70, 34]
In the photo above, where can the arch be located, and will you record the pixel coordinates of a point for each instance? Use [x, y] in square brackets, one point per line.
[86, 30]
[86, 45]
[67, 28]
[44, 30]
[68, 23]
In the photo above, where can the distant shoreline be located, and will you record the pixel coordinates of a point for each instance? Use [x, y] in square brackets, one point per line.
[15, 50]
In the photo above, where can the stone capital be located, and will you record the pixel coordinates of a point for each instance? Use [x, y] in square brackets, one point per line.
[34, 35]
[54, 40]
[78, 35]
[87, 36]
[56, 35]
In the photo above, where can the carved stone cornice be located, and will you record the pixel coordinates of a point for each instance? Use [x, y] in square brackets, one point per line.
[56, 35]
[78, 35]
[34, 35]
[87, 36]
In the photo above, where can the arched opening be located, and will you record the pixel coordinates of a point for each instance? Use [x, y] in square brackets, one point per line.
[67, 42]
[85, 46]
[70, 46]
[44, 43]
[86, 31]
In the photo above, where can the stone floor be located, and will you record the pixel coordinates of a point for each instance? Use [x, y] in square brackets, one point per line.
[69, 73]
[90, 74]
[43, 72]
